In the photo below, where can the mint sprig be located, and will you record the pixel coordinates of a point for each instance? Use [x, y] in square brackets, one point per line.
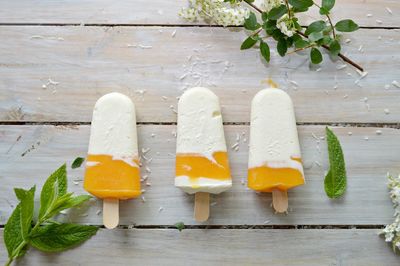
[335, 180]
[20, 231]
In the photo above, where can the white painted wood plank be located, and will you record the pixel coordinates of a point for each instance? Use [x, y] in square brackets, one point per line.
[222, 247]
[165, 12]
[365, 202]
[91, 61]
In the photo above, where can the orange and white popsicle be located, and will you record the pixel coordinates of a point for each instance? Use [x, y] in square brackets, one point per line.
[201, 156]
[112, 167]
[274, 153]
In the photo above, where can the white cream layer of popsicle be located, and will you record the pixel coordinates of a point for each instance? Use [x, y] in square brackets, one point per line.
[274, 140]
[113, 129]
[200, 132]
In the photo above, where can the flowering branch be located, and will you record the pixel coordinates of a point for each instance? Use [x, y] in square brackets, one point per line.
[392, 231]
[279, 21]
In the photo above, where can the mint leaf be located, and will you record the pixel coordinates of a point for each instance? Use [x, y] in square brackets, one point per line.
[60, 237]
[26, 198]
[316, 26]
[316, 56]
[13, 238]
[346, 25]
[65, 202]
[180, 226]
[277, 12]
[264, 50]
[335, 181]
[248, 43]
[301, 4]
[251, 22]
[54, 187]
[77, 162]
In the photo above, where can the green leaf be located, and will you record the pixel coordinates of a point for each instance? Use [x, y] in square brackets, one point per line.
[13, 236]
[346, 25]
[270, 26]
[60, 237]
[77, 162]
[264, 16]
[265, 51]
[248, 43]
[301, 4]
[327, 5]
[54, 187]
[335, 181]
[65, 202]
[335, 47]
[277, 12]
[282, 47]
[316, 26]
[251, 22]
[26, 198]
[300, 43]
[315, 36]
[180, 226]
[316, 56]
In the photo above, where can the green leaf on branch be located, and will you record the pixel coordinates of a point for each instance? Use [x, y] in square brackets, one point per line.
[346, 25]
[316, 26]
[248, 43]
[270, 26]
[300, 43]
[251, 22]
[264, 16]
[60, 237]
[327, 5]
[265, 51]
[316, 56]
[335, 181]
[301, 4]
[277, 12]
[335, 47]
[315, 36]
[282, 47]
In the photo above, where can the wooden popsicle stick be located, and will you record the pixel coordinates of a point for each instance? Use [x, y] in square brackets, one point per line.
[280, 200]
[110, 213]
[201, 206]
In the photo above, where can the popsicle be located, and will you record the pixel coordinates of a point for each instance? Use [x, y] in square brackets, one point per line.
[202, 165]
[112, 165]
[274, 154]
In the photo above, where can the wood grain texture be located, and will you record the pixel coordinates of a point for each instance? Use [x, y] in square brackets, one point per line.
[366, 201]
[153, 68]
[222, 247]
[165, 12]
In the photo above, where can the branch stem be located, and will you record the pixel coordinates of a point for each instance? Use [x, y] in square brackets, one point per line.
[343, 57]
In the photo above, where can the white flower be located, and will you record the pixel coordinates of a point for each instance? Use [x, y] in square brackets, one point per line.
[286, 25]
[218, 11]
[392, 231]
[270, 4]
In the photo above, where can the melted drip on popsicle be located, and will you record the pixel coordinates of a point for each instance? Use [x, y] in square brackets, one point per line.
[107, 177]
[196, 166]
[266, 179]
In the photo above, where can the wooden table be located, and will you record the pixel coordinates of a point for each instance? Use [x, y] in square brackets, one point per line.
[58, 57]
